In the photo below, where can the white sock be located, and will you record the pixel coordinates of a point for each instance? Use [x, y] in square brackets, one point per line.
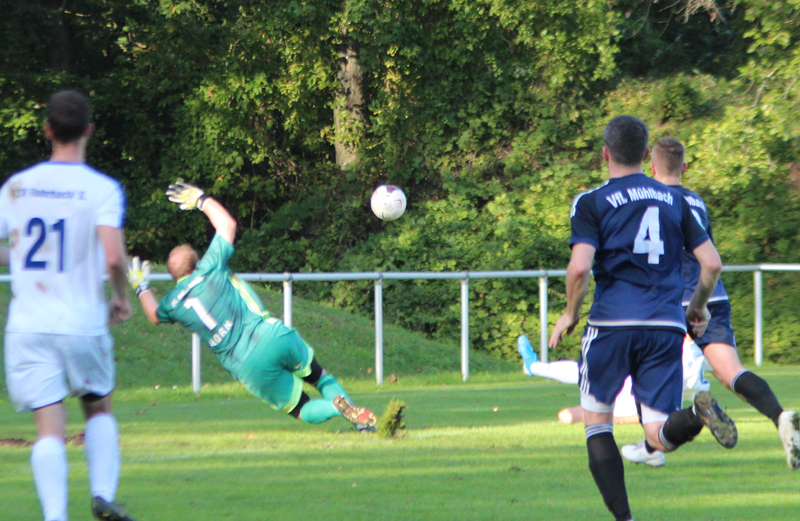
[565, 371]
[101, 449]
[50, 467]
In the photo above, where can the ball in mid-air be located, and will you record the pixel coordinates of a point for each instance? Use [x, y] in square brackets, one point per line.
[388, 202]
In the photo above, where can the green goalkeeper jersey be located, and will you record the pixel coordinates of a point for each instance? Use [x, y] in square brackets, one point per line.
[222, 309]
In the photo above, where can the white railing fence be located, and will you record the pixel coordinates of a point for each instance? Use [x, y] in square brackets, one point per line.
[463, 277]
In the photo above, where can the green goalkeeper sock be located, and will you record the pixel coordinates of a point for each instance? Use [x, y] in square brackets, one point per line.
[329, 388]
[318, 411]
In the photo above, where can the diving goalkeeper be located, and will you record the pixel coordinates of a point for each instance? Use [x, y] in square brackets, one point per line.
[270, 359]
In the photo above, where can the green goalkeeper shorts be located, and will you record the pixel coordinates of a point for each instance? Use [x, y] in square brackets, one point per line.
[274, 369]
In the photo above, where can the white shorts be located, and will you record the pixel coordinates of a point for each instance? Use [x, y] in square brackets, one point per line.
[44, 369]
[625, 403]
[694, 379]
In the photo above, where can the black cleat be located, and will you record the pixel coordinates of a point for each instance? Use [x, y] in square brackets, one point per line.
[105, 511]
[719, 423]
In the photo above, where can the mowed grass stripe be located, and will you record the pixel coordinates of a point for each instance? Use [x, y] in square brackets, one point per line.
[484, 451]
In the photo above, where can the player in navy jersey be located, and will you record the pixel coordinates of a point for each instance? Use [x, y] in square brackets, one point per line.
[630, 233]
[718, 342]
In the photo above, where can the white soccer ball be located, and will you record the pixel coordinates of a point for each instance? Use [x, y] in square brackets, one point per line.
[388, 202]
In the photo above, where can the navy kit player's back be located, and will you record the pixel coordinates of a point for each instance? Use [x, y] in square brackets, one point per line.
[690, 268]
[639, 228]
[718, 341]
[630, 234]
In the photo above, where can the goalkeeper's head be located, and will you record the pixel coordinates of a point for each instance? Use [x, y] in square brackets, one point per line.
[182, 261]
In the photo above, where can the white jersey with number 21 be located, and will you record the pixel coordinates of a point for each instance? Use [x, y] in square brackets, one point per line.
[50, 213]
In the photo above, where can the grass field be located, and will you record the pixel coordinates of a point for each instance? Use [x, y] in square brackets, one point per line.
[488, 449]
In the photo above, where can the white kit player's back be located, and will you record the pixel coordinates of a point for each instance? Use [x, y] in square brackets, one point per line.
[50, 213]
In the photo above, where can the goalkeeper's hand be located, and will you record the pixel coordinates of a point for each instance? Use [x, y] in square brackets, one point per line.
[139, 275]
[187, 196]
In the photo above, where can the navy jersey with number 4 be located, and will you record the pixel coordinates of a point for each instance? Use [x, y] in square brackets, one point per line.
[639, 228]
[690, 268]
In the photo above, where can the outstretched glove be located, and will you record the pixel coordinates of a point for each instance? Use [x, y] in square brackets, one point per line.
[139, 275]
[187, 196]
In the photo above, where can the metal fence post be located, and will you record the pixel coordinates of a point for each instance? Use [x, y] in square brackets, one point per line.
[196, 350]
[287, 301]
[543, 337]
[465, 328]
[379, 330]
[758, 331]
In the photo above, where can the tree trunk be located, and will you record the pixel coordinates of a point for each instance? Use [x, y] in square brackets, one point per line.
[59, 48]
[348, 117]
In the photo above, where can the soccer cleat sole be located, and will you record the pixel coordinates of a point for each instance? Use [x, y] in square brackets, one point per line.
[717, 421]
[361, 417]
[105, 511]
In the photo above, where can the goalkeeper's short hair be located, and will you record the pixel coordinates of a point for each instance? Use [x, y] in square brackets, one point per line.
[182, 261]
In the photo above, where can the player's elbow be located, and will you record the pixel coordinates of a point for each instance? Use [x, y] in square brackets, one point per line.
[579, 270]
[711, 263]
[714, 268]
[117, 268]
[151, 316]
[228, 230]
[116, 262]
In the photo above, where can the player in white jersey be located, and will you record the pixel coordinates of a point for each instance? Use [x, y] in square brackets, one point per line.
[64, 222]
[625, 410]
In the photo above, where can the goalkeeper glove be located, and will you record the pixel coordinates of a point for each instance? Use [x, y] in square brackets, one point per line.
[187, 196]
[139, 275]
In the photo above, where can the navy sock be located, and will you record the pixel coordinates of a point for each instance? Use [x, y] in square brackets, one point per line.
[681, 427]
[757, 392]
[605, 463]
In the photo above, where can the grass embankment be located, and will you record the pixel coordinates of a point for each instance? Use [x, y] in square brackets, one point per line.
[149, 356]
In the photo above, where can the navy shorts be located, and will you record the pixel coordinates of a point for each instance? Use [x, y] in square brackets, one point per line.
[719, 330]
[653, 358]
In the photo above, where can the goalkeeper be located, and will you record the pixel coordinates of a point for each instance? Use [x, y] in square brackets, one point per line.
[270, 359]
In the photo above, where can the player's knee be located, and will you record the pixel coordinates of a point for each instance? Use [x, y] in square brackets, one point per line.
[316, 373]
[94, 404]
[570, 415]
[726, 376]
[295, 413]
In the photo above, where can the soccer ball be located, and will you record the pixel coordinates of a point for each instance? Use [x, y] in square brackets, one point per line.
[388, 202]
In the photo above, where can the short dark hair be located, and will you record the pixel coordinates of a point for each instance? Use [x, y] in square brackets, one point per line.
[626, 138]
[68, 113]
[669, 152]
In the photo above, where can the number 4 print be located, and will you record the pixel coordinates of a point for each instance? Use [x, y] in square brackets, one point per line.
[650, 227]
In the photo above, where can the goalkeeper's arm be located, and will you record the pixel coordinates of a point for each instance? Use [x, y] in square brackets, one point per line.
[139, 279]
[190, 197]
[223, 222]
[149, 306]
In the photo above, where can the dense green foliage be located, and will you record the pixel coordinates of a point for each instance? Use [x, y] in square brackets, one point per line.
[487, 112]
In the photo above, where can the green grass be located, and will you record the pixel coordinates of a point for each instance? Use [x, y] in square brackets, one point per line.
[487, 449]
[472, 451]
